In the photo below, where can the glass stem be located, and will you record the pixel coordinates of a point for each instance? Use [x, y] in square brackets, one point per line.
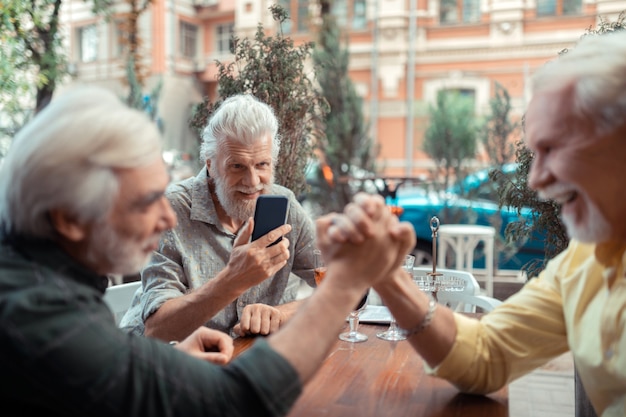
[392, 326]
[354, 322]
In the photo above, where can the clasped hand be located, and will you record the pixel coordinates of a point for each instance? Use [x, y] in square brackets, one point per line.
[367, 236]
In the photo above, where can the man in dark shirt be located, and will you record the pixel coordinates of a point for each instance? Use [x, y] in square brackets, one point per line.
[82, 196]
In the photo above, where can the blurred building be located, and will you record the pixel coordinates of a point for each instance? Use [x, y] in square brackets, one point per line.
[402, 52]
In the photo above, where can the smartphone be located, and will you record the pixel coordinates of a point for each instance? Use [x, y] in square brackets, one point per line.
[271, 211]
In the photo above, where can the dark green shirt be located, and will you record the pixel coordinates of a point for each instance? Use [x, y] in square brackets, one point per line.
[62, 355]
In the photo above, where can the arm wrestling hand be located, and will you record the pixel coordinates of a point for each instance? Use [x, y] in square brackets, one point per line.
[251, 263]
[259, 319]
[209, 345]
[381, 250]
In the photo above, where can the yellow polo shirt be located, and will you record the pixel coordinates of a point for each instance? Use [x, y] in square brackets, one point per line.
[577, 303]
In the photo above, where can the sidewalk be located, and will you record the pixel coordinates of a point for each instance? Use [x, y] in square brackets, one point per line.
[545, 392]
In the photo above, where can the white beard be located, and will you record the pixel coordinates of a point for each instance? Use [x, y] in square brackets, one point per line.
[596, 230]
[121, 255]
[235, 208]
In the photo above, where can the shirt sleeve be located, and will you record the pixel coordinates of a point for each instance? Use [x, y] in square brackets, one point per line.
[79, 363]
[162, 280]
[522, 334]
[302, 225]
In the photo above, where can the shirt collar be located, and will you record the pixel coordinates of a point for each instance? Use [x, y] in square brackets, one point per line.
[202, 206]
[612, 255]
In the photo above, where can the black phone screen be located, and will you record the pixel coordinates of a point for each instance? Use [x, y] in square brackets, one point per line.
[271, 212]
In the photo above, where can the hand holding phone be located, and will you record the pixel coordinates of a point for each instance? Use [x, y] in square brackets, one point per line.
[271, 212]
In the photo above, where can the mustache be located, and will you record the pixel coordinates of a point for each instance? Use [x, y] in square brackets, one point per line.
[553, 190]
[251, 190]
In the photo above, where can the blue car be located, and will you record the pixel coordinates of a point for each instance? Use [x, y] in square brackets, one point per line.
[473, 201]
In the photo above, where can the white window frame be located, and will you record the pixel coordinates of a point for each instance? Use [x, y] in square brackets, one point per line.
[188, 42]
[87, 36]
[223, 37]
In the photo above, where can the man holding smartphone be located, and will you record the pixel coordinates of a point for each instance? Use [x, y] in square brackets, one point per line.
[207, 271]
[82, 196]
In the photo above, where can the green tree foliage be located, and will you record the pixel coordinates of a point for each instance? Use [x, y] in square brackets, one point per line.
[451, 136]
[347, 144]
[515, 193]
[31, 61]
[15, 91]
[131, 43]
[499, 129]
[545, 221]
[137, 99]
[273, 69]
[31, 45]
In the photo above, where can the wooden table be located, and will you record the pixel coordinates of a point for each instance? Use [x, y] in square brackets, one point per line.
[378, 378]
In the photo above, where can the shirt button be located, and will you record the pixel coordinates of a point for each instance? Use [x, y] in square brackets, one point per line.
[608, 354]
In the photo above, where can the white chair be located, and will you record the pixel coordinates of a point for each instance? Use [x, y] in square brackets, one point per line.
[463, 239]
[119, 297]
[464, 300]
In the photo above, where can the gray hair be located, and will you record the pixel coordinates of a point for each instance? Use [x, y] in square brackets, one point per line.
[66, 157]
[243, 119]
[596, 67]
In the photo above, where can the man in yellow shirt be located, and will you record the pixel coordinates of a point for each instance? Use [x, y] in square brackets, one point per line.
[576, 127]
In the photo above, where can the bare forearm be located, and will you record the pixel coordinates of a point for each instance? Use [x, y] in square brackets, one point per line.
[314, 327]
[289, 309]
[409, 306]
[177, 318]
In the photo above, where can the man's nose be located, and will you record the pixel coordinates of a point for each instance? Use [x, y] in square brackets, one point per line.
[538, 175]
[252, 178]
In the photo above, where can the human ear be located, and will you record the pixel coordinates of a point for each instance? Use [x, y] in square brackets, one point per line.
[67, 225]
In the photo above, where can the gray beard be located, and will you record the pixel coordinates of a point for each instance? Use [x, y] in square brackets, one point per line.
[121, 255]
[240, 210]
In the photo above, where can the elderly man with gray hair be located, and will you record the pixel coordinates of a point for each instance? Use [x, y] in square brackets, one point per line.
[206, 271]
[576, 129]
[82, 196]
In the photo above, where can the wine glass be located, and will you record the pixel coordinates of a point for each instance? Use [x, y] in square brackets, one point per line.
[353, 335]
[393, 333]
[319, 268]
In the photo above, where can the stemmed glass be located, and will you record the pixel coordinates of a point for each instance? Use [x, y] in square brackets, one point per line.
[319, 266]
[393, 333]
[353, 335]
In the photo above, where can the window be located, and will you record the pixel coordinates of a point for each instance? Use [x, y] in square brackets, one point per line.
[298, 11]
[287, 24]
[353, 11]
[468, 93]
[188, 39]
[359, 18]
[572, 7]
[339, 9]
[303, 15]
[121, 38]
[88, 43]
[558, 7]
[459, 11]
[224, 37]
[465, 94]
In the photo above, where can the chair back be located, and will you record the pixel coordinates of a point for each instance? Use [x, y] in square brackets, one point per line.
[463, 298]
[119, 297]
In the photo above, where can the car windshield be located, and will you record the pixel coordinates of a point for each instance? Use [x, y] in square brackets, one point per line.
[479, 186]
